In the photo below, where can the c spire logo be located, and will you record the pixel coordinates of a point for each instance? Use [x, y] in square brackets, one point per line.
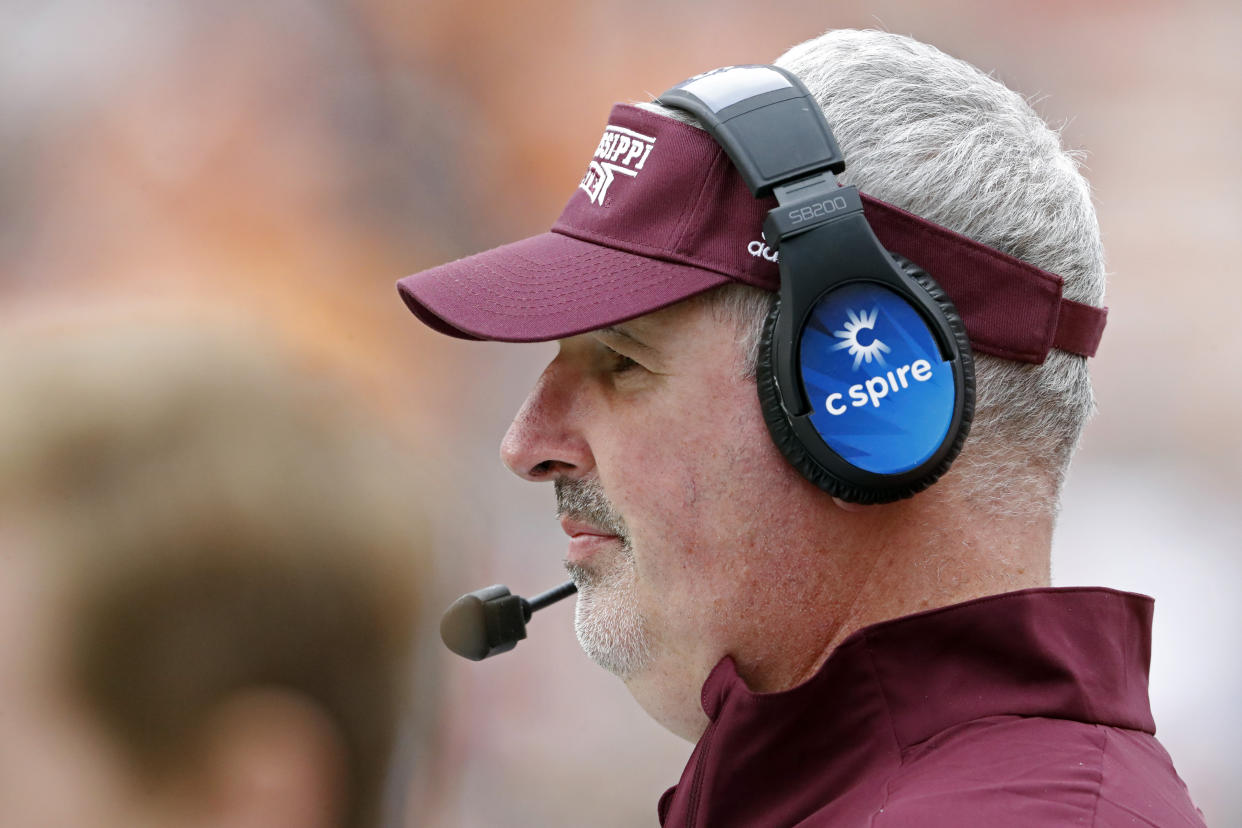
[622, 151]
[882, 394]
[859, 336]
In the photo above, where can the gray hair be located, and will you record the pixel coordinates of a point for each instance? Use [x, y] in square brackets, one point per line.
[936, 136]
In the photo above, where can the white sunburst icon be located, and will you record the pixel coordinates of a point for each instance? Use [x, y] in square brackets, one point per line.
[859, 337]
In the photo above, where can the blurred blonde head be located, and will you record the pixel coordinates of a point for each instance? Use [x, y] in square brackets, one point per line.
[228, 555]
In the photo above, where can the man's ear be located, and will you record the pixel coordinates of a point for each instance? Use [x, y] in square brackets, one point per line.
[846, 506]
[269, 757]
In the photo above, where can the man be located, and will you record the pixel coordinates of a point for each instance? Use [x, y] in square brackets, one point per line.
[208, 586]
[903, 663]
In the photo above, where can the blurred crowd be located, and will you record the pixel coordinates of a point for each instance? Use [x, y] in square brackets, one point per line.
[234, 493]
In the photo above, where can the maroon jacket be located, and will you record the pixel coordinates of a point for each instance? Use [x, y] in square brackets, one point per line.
[1023, 709]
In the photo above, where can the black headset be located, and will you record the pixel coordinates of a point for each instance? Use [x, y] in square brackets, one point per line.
[865, 373]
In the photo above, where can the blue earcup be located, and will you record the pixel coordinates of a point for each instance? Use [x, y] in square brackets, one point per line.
[886, 391]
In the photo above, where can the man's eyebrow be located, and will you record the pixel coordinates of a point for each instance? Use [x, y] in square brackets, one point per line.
[616, 330]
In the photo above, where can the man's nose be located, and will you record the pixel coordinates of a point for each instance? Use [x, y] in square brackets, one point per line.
[545, 440]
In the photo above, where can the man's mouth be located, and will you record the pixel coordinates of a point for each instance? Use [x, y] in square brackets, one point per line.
[585, 539]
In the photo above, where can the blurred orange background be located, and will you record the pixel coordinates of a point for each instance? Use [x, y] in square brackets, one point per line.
[280, 165]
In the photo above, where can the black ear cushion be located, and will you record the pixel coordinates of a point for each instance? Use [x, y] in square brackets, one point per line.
[958, 328]
[796, 452]
[782, 432]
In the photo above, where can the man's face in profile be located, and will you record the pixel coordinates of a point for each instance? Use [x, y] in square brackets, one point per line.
[669, 485]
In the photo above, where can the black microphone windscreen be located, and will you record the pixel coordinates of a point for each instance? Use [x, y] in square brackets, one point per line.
[464, 628]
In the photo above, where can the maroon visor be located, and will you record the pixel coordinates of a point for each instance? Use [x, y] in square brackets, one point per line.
[662, 215]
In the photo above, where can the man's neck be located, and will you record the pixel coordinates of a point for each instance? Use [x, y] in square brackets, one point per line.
[918, 556]
[832, 571]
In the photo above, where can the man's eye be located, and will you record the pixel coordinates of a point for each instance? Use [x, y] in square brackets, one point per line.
[618, 363]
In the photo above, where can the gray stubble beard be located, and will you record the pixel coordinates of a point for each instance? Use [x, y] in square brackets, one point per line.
[610, 628]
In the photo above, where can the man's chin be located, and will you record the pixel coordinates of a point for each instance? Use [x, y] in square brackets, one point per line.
[609, 626]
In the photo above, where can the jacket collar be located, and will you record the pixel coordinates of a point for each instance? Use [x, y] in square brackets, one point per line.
[1077, 653]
